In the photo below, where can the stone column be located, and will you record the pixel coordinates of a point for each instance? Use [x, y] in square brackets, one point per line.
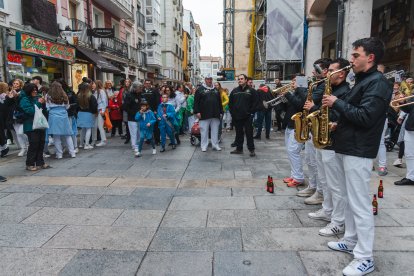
[357, 25]
[314, 44]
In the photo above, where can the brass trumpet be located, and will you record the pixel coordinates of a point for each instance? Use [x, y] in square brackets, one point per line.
[279, 93]
[396, 103]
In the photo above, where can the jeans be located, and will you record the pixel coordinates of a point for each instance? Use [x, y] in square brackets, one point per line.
[36, 144]
[166, 131]
[267, 117]
[141, 142]
[244, 126]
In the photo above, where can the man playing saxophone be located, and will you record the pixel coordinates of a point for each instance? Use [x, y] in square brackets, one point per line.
[356, 142]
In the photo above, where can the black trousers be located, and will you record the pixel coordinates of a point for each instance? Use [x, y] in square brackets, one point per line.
[116, 124]
[157, 133]
[279, 120]
[36, 145]
[244, 126]
[3, 138]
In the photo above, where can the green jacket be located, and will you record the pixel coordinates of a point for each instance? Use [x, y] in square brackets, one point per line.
[27, 103]
[190, 104]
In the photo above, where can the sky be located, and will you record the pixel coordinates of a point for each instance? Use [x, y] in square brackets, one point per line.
[208, 13]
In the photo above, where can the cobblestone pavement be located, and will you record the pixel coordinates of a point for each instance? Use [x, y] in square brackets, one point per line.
[181, 212]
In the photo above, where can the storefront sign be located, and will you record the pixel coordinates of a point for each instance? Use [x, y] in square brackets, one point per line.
[14, 58]
[72, 37]
[79, 70]
[35, 45]
[101, 32]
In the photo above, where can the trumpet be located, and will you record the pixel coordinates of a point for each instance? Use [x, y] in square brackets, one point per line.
[280, 96]
[396, 103]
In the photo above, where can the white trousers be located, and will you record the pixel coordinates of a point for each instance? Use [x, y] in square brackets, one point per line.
[310, 158]
[22, 140]
[99, 124]
[213, 124]
[191, 121]
[382, 151]
[227, 118]
[334, 197]
[85, 136]
[135, 135]
[355, 172]
[322, 186]
[58, 144]
[293, 149]
[409, 153]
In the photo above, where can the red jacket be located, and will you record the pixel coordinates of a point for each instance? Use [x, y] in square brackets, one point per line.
[114, 109]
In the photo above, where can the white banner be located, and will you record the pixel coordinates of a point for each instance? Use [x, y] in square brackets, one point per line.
[284, 38]
[72, 37]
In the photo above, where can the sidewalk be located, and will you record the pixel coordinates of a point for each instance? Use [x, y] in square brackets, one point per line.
[181, 212]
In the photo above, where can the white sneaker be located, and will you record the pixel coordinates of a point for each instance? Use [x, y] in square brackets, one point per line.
[332, 230]
[45, 155]
[88, 147]
[59, 156]
[76, 150]
[359, 267]
[217, 148]
[138, 154]
[320, 214]
[22, 152]
[80, 146]
[203, 150]
[9, 142]
[308, 191]
[101, 144]
[341, 246]
[315, 199]
[154, 151]
[51, 141]
[73, 155]
[398, 163]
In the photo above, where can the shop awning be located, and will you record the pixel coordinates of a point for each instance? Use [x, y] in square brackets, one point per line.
[97, 60]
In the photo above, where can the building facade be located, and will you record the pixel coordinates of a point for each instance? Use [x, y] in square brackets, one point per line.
[209, 66]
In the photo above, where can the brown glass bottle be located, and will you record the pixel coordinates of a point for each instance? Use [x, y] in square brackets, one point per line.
[380, 190]
[375, 205]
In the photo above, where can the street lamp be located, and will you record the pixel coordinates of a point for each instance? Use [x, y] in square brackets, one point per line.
[142, 46]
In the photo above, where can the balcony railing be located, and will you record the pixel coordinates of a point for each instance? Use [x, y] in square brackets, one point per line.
[114, 46]
[140, 20]
[81, 26]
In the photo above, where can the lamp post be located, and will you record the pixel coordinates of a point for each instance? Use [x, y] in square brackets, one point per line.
[142, 46]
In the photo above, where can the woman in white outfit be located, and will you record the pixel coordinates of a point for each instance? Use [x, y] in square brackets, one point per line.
[21, 138]
[102, 99]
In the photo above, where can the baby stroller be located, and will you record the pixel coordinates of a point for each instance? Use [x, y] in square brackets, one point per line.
[391, 137]
[195, 137]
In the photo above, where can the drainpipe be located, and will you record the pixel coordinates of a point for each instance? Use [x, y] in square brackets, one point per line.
[340, 27]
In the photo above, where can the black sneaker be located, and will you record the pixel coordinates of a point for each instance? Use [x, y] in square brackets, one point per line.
[174, 146]
[252, 153]
[4, 152]
[404, 181]
[233, 145]
[257, 137]
[3, 179]
[162, 149]
[236, 151]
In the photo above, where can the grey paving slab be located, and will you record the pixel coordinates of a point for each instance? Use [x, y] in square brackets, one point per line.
[140, 218]
[242, 174]
[258, 263]
[177, 263]
[74, 216]
[384, 219]
[210, 191]
[41, 189]
[185, 219]
[403, 217]
[252, 218]
[33, 261]
[15, 214]
[2, 187]
[270, 239]
[282, 202]
[3, 195]
[197, 239]
[154, 192]
[20, 199]
[262, 191]
[98, 190]
[65, 201]
[177, 174]
[401, 239]
[25, 235]
[169, 164]
[308, 222]
[103, 262]
[102, 237]
[395, 202]
[193, 183]
[207, 203]
[65, 172]
[133, 202]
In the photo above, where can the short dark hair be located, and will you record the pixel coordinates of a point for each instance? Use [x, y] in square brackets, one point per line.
[243, 76]
[323, 62]
[341, 61]
[39, 78]
[28, 88]
[148, 80]
[86, 79]
[249, 79]
[371, 45]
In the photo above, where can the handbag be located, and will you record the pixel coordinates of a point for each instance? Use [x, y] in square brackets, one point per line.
[107, 120]
[39, 120]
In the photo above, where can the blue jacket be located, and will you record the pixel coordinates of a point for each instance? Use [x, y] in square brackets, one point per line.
[166, 108]
[143, 119]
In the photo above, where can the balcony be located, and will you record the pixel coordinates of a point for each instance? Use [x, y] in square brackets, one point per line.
[84, 39]
[120, 8]
[113, 46]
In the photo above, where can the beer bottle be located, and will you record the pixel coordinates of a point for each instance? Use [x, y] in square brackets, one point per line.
[380, 190]
[268, 184]
[375, 205]
[271, 186]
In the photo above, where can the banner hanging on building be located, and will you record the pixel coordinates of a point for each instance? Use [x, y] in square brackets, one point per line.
[284, 38]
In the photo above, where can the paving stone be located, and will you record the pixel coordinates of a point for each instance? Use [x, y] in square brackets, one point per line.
[252, 218]
[33, 261]
[41, 189]
[242, 174]
[384, 219]
[270, 239]
[395, 202]
[139, 218]
[394, 239]
[211, 191]
[166, 174]
[102, 237]
[15, 214]
[401, 216]
[258, 263]
[133, 182]
[154, 192]
[197, 239]
[308, 222]
[103, 262]
[4, 195]
[176, 263]
[192, 183]
[133, 202]
[2, 187]
[213, 203]
[282, 203]
[185, 219]
[325, 263]
[99, 190]
[239, 183]
[19, 199]
[65, 172]
[74, 216]
[80, 181]
[25, 235]
[66, 201]
[262, 191]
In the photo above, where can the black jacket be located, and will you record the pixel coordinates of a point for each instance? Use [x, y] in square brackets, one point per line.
[317, 95]
[264, 97]
[132, 105]
[73, 101]
[295, 103]
[93, 106]
[243, 102]
[152, 96]
[362, 115]
[409, 124]
[207, 102]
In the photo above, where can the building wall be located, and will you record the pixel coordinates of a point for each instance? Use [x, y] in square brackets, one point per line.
[242, 27]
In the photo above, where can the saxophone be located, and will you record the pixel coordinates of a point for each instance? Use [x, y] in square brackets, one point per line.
[319, 120]
[302, 125]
